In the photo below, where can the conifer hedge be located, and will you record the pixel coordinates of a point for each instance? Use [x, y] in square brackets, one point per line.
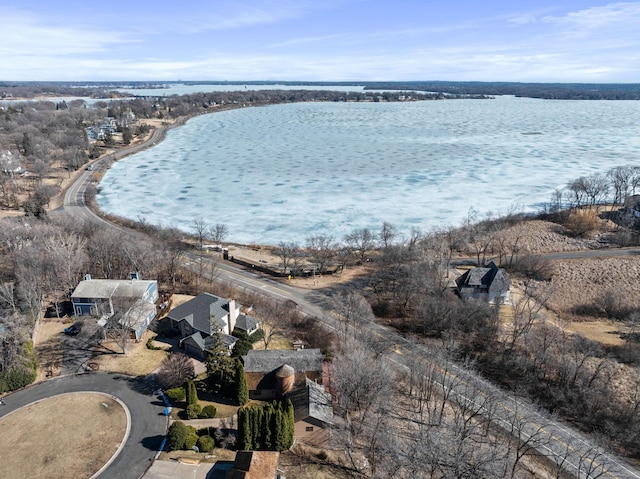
[268, 427]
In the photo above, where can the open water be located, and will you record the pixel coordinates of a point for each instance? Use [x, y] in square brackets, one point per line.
[287, 172]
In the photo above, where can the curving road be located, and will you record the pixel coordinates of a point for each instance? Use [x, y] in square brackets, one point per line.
[561, 443]
[148, 423]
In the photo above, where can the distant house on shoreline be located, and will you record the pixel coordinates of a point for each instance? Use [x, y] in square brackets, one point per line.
[488, 283]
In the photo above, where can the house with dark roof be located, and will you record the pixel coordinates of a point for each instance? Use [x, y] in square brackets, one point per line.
[296, 375]
[100, 297]
[631, 209]
[248, 324]
[272, 373]
[488, 283]
[201, 318]
[313, 412]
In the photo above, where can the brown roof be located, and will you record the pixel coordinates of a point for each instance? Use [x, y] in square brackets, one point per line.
[254, 465]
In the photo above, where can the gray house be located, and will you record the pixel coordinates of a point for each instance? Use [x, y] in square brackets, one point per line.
[97, 297]
[205, 316]
[488, 283]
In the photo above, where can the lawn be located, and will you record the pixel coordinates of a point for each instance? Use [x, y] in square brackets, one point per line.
[69, 435]
[139, 360]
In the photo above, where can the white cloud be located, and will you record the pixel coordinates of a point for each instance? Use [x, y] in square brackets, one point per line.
[23, 34]
[614, 15]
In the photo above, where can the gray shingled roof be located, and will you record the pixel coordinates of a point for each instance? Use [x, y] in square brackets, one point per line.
[260, 361]
[311, 400]
[206, 342]
[482, 277]
[203, 313]
[245, 323]
[107, 288]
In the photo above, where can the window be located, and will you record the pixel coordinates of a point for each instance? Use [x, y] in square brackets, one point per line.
[309, 428]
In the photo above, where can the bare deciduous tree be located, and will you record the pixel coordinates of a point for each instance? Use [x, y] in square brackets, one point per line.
[175, 370]
[219, 232]
[387, 234]
[200, 229]
[351, 310]
[286, 251]
[362, 241]
[321, 250]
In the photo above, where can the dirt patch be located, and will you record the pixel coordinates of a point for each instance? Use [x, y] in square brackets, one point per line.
[264, 255]
[70, 435]
[605, 332]
[582, 281]
[307, 462]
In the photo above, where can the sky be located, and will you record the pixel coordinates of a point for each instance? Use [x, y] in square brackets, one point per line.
[320, 40]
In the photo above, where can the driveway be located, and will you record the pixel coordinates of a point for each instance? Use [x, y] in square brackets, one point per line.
[78, 349]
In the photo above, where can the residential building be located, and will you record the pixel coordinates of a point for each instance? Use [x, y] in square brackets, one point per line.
[488, 283]
[200, 319]
[101, 297]
[271, 373]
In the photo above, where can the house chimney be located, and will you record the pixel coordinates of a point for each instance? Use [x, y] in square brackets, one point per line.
[233, 315]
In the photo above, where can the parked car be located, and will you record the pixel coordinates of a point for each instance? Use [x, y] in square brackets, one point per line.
[72, 330]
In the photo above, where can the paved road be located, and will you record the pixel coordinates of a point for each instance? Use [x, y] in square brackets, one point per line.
[557, 440]
[148, 424]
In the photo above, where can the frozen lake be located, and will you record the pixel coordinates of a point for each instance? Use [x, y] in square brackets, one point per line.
[286, 172]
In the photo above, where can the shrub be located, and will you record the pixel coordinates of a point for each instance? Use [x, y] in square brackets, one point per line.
[176, 394]
[208, 412]
[191, 392]
[205, 443]
[193, 411]
[241, 348]
[16, 378]
[177, 436]
[150, 343]
[192, 440]
[257, 336]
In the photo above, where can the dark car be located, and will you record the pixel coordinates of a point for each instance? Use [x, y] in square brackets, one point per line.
[72, 330]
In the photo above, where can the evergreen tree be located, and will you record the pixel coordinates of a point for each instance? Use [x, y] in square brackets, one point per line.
[290, 422]
[267, 427]
[244, 430]
[277, 427]
[242, 391]
[187, 390]
[220, 366]
[268, 415]
[194, 392]
[191, 393]
[258, 432]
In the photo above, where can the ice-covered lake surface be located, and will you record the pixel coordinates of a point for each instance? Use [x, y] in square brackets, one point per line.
[287, 172]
